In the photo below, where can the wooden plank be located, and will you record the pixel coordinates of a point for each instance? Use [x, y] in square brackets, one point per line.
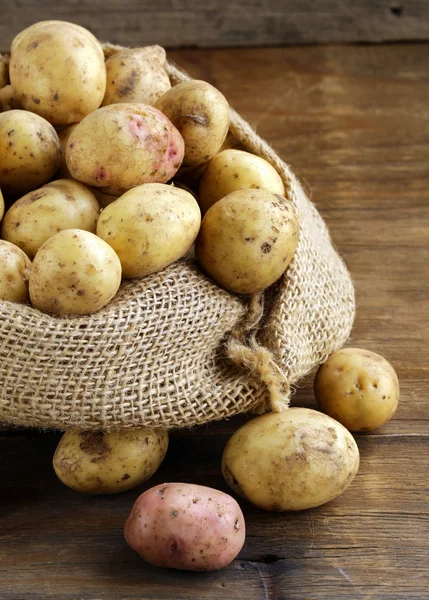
[228, 22]
[353, 123]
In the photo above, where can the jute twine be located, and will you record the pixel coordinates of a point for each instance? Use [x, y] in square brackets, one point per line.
[173, 349]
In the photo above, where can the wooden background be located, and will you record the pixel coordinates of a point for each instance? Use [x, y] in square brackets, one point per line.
[179, 23]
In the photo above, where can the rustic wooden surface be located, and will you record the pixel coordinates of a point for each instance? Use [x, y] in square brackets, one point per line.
[227, 22]
[354, 124]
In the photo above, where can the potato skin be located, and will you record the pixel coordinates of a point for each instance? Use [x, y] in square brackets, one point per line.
[136, 75]
[358, 388]
[123, 145]
[247, 240]
[201, 114]
[74, 273]
[14, 273]
[57, 70]
[109, 463]
[186, 526]
[29, 152]
[64, 134]
[232, 170]
[150, 227]
[37, 216]
[7, 99]
[1, 205]
[293, 460]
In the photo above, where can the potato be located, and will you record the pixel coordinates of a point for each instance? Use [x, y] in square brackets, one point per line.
[247, 240]
[14, 273]
[64, 134]
[57, 70]
[29, 152]
[103, 199]
[108, 463]
[150, 227]
[186, 526]
[358, 388]
[136, 75]
[201, 114]
[123, 145]
[4, 71]
[292, 460]
[74, 273]
[233, 170]
[7, 99]
[1, 205]
[37, 216]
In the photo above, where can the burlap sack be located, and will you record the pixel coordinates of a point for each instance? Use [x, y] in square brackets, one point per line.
[173, 349]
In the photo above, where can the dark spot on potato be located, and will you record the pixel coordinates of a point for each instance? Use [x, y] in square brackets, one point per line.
[81, 292]
[235, 175]
[125, 477]
[195, 500]
[174, 546]
[100, 174]
[94, 443]
[162, 491]
[174, 513]
[266, 248]
[333, 432]
[35, 100]
[56, 96]
[11, 132]
[72, 145]
[249, 239]
[237, 525]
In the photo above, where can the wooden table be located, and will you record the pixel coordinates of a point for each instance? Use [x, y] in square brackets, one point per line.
[354, 124]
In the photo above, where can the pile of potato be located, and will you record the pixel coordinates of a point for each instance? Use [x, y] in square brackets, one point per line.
[93, 156]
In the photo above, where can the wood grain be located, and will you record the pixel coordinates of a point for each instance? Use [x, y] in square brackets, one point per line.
[227, 22]
[353, 122]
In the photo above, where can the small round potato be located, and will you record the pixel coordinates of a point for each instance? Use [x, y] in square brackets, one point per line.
[293, 460]
[4, 71]
[108, 463]
[136, 75]
[64, 134]
[247, 240]
[233, 170]
[37, 216]
[123, 145]
[57, 70]
[186, 526]
[201, 114]
[29, 152]
[358, 388]
[74, 273]
[150, 227]
[7, 99]
[14, 273]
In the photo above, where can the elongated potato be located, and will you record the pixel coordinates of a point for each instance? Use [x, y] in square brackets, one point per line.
[37, 216]
[29, 152]
[201, 114]
[136, 75]
[186, 526]
[57, 70]
[293, 460]
[14, 273]
[74, 273]
[150, 227]
[108, 463]
[123, 145]
[233, 170]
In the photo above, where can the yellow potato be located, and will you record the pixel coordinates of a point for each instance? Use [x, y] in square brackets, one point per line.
[292, 460]
[150, 227]
[7, 99]
[136, 75]
[123, 145]
[37, 216]
[108, 463]
[14, 273]
[74, 273]
[247, 240]
[201, 114]
[57, 70]
[64, 134]
[29, 152]
[358, 388]
[4, 71]
[233, 170]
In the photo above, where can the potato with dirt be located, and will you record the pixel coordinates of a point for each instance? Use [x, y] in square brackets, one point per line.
[109, 463]
[150, 227]
[120, 146]
[57, 70]
[201, 114]
[358, 388]
[247, 240]
[14, 273]
[37, 216]
[293, 460]
[30, 152]
[74, 273]
[136, 75]
[232, 170]
[186, 526]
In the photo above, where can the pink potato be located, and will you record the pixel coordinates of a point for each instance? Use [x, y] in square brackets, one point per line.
[186, 526]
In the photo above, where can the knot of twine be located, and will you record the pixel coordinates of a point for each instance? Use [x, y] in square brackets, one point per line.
[244, 350]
